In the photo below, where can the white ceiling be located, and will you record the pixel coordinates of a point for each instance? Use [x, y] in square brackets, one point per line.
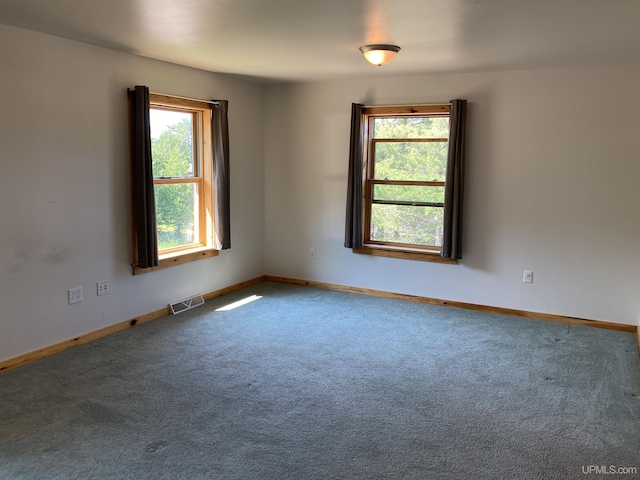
[319, 39]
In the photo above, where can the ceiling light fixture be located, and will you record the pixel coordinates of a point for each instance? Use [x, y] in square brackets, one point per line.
[379, 54]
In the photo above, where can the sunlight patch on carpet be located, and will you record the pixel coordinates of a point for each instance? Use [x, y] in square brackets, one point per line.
[239, 303]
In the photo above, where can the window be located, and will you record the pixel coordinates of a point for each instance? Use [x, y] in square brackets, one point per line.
[181, 174]
[406, 160]
[179, 179]
[406, 166]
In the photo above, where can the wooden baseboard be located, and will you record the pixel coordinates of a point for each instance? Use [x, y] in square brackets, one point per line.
[28, 357]
[118, 327]
[234, 288]
[467, 306]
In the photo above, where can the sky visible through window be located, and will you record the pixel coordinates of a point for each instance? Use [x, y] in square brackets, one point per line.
[162, 119]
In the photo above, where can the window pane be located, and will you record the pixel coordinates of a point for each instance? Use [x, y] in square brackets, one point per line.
[408, 193]
[177, 215]
[172, 143]
[407, 224]
[411, 127]
[411, 161]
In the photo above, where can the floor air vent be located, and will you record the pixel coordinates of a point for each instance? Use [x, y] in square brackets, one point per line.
[186, 304]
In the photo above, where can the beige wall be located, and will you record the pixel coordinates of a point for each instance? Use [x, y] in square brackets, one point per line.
[553, 170]
[64, 188]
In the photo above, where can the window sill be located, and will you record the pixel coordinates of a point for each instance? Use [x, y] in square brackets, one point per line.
[179, 258]
[421, 255]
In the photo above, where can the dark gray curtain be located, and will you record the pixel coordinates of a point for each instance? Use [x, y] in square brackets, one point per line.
[452, 235]
[220, 140]
[354, 236]
[144, 205]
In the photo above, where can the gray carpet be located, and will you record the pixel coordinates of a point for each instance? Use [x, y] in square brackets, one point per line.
[312, 384]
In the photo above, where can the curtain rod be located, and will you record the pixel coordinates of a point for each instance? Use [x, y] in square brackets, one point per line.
[410, 105]
[211, 102]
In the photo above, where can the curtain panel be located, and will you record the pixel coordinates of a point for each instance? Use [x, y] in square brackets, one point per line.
[220, 141]
[452, 234]
[142, 190]
[354, 234]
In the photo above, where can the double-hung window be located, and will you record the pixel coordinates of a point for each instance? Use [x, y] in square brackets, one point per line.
[405, 181]
[182, 177]
[179, 179]
[406, 157]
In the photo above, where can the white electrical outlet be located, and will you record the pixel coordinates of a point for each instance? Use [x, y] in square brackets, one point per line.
[75, 295]
[228, 255]
[312, 252]
[527, 277]
[103, 287]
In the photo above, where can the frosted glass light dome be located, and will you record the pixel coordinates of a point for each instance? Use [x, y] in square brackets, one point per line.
[379, 54]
